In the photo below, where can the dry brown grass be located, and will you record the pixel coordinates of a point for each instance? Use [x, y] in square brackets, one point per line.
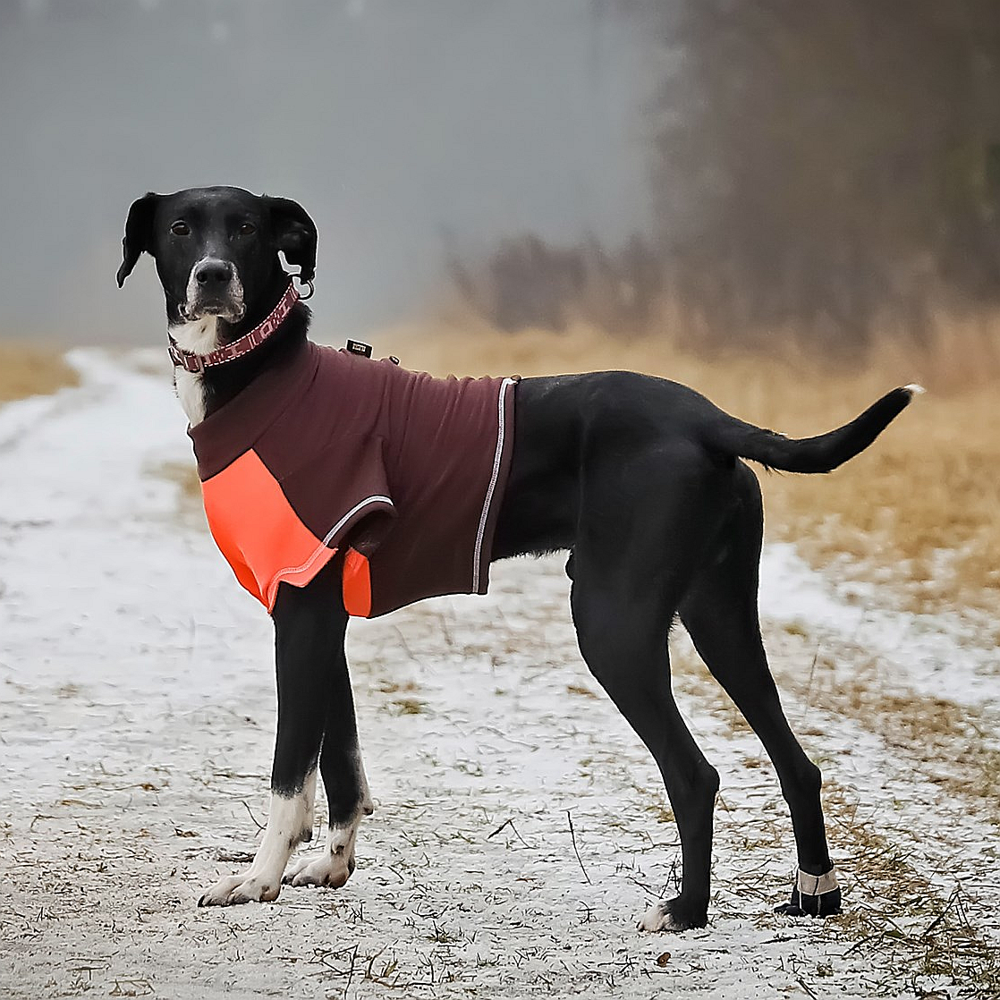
[30, 370]
[928, 935]
[951, 745]
[184, 476]
[933, 931]
[919, 510]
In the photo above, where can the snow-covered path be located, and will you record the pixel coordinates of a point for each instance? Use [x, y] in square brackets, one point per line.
[136, 719]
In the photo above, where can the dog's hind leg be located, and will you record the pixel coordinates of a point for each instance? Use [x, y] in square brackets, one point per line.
[720, 614]
[623, 638]
[628, 574]
[310, 623]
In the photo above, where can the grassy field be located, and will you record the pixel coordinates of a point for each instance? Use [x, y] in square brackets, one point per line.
[920, 510]
[27, 370]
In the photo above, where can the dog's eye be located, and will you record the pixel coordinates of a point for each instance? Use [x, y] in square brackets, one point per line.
[180, 229]
[247, 229]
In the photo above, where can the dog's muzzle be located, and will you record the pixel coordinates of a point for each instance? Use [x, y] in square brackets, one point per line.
[214, 289]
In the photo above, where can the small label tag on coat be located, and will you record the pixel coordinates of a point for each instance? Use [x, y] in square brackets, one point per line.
[359, 347]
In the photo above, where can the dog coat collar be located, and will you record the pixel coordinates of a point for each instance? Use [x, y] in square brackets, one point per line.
[196, 363]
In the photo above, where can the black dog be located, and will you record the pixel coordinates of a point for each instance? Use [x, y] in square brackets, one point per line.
[638, 477]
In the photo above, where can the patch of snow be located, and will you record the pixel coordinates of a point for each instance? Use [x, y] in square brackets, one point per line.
[944, 655]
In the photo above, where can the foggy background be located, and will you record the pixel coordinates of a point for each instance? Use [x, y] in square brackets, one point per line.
[714, 171]
[407, 129]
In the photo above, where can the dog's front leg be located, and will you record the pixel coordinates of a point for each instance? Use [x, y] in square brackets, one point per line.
[346, 788]
[309, 624]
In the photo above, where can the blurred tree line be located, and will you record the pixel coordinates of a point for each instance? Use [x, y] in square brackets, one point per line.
[827, 165]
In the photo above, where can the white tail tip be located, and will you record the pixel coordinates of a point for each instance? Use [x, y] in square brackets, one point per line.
[915, 389]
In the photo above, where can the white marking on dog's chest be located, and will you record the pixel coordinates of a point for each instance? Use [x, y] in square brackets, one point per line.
[199, 336]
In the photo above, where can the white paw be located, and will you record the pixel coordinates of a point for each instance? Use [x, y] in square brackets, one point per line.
[659, 918]
[245, 888]
[331, 870]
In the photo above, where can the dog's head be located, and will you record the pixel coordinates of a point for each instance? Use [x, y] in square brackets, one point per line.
[216, 248]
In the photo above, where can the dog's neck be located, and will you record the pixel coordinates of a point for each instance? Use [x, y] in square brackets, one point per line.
[198, 336]
[202, 393]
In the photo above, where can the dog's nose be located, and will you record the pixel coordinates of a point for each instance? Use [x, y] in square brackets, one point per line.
[213, 272]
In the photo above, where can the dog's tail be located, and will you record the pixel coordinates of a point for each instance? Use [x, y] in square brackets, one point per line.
[816, 454]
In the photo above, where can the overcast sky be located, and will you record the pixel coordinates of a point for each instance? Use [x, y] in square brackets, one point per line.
[399, 124]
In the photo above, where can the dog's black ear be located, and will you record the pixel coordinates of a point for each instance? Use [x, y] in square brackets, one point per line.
[294, 234]
[138, 234]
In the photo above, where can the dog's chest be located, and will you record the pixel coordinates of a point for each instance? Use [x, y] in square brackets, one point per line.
[197, 337]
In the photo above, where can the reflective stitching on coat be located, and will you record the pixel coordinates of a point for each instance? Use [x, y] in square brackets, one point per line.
[272, 587]
[363, 503]
[498, 456]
